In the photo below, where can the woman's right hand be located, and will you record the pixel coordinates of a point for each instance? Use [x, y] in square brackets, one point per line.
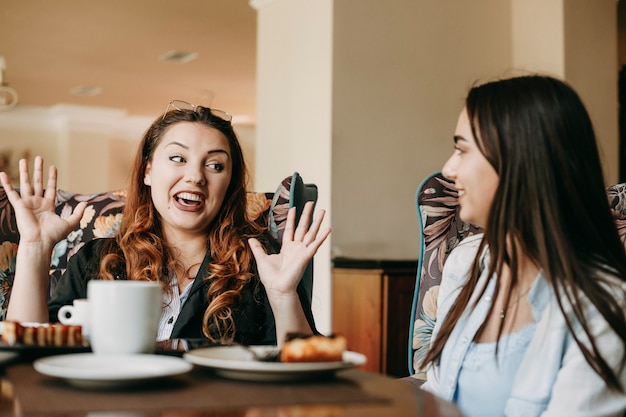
[34, 206]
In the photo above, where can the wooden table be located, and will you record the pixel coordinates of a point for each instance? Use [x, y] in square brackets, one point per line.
[353, 392]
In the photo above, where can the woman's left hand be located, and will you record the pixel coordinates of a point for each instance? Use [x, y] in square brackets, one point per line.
[280, 273]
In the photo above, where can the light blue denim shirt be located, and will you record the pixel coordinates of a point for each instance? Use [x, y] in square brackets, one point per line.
[553, 379]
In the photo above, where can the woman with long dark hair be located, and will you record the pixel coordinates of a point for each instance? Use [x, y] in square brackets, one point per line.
[531, 317]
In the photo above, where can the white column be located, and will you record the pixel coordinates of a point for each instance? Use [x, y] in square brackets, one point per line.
[294, 100]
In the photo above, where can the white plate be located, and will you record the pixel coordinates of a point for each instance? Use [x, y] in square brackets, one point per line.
[237, 363]
[87, 370]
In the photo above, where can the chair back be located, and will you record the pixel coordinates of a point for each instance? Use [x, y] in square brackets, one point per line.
[292, 192]
[441, 231]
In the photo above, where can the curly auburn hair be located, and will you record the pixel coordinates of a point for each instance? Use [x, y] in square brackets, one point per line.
[141, 250]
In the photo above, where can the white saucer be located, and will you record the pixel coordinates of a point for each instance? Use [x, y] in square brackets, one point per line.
[87, 370]
[236, 362]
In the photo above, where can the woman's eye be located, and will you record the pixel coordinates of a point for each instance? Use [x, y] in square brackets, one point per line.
[177, 158]
[216, 166]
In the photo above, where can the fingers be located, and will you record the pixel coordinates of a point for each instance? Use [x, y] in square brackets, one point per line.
[303, 224]
[257, 249]
[4, 180]
[313, 239]
[291, 233]
[77, 214]
[305, 233]
[314, 228]
[36, 187]
[319, 239]
[51, 187]
[289, 225]
[37, 176]
[12, 195]
[312, 247]
[25, 187]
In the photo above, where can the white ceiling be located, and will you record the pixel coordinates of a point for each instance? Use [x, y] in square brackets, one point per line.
[52, 46]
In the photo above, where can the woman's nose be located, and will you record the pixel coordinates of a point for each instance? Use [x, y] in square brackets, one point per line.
[195, 175]
[449, 170]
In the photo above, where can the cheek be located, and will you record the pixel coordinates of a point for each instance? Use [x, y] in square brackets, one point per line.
[489, 187]
[223, 191]
[225, 183]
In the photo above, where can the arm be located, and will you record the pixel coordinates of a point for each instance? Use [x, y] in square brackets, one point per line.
[454, 275]
[280, 273]
[40, 229]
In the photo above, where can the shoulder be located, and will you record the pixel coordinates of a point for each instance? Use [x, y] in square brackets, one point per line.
[456, 272]
[468, 245]
[461, 258]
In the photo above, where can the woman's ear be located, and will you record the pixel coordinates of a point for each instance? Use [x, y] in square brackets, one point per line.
[147, 179]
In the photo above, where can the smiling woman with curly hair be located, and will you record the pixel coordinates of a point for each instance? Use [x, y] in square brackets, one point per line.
[185, 224]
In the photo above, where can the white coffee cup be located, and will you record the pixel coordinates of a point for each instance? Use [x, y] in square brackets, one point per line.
[123, 316]
[76, 314]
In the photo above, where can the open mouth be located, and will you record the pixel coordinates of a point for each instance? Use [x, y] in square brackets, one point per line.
[189, 199]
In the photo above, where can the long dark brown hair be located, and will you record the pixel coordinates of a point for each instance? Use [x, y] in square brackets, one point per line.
[551, 200]
[143, 253]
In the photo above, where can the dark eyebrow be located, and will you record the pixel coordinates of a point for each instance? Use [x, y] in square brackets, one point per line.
[457, 138]
[211, 152]
[177, 144]
[215, 151]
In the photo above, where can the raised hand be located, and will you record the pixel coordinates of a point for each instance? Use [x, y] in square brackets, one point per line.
[281, 272]
[34, 206]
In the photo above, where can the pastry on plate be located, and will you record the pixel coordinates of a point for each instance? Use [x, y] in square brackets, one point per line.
[41, 334]
[313, 348]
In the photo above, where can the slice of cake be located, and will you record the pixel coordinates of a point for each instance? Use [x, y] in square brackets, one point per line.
[42, 334]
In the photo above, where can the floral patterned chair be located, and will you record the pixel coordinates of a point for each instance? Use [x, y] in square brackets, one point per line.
[442, 230]
[103, 216]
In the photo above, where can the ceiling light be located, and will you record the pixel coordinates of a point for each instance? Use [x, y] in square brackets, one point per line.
[180, 57]
[8, 95]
